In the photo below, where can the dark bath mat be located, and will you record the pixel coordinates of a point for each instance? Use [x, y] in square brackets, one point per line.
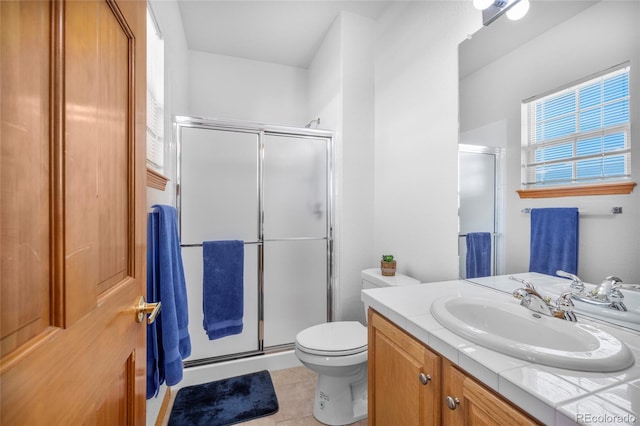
[225, 402]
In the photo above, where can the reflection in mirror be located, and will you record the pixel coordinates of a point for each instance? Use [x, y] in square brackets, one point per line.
[478, 197]
[493, 9]
[507, 62]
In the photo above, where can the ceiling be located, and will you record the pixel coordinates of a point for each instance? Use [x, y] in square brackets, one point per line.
[289, 32]
[283, 32]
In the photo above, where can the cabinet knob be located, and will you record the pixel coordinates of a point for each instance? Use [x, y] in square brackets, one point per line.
[424, 378]
[452, 403]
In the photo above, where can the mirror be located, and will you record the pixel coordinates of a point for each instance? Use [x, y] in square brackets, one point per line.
[501, 65]
[490, 48]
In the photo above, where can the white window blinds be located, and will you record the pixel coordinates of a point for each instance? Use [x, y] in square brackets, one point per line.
[155, 96]
[580, 134]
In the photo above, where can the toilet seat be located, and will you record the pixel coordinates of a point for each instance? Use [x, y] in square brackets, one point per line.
[339, 338]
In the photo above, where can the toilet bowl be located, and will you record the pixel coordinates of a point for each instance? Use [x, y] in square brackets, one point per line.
[337, 351]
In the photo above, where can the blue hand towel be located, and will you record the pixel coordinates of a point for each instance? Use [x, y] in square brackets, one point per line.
[478, 254]
[554, 240]
[223, 287]
[166, 283]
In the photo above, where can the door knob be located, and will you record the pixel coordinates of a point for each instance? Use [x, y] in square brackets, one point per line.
[143, 308]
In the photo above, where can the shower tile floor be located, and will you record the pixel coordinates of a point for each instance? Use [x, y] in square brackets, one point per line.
[295, 388]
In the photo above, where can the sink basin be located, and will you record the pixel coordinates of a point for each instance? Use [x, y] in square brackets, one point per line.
[629, 318]
[507, 327]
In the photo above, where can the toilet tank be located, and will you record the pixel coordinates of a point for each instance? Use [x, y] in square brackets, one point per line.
[373, 278]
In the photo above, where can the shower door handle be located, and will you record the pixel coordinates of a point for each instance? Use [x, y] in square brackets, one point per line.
[143, 308]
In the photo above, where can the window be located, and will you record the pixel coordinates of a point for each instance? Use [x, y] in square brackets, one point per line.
[579, 134]
[155, 95]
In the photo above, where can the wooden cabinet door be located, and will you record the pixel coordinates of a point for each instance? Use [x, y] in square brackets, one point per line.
[72, 207]
[477, 406]
[484, 408]
[453, 388]
[404, 377]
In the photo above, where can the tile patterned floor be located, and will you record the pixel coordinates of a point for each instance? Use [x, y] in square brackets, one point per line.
[295, 388]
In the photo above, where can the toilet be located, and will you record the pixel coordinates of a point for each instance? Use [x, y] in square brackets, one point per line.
[337, 351]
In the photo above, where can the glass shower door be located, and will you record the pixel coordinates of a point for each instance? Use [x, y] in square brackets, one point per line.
[219, 201]
[296, 260]
[477, 201]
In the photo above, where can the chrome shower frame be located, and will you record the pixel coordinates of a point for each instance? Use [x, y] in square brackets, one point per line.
[262, 130]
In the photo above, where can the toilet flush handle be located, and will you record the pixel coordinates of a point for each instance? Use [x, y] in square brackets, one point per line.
[424, 378]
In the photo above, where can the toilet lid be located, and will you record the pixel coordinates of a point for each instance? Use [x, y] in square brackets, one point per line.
[333, 338]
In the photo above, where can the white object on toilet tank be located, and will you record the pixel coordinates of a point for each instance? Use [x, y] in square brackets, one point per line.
[373, 278]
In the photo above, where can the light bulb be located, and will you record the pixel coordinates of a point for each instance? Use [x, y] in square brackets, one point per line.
[518, 10]
[482, 4]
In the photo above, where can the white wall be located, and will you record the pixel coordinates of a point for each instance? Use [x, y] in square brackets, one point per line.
[240, 89]
[416, 135]
[341, 93]
[600, 37]
[357, 161]
[325, 81]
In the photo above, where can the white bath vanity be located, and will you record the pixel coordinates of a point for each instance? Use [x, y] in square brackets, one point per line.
[422, 373]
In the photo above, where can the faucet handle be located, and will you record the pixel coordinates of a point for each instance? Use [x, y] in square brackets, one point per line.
[526, 283]
[520, 293]
[616, 295]
[564, 302]
[564, 306]
[616, 298]
[576, 282]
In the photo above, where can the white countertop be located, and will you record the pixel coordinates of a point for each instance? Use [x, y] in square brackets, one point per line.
[551, 395]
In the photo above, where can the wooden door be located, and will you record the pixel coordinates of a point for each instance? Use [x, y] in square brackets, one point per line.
[72, 210]
[404, 377]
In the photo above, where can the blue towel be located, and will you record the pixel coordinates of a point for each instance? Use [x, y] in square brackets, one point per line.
[554, 240]
[223, 287]
[168, 343]
[478, 254]
[153, 295]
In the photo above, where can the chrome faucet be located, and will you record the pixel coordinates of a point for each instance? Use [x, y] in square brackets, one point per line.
[532, 300]
[607, 294]
[613, 285]
[608, 291]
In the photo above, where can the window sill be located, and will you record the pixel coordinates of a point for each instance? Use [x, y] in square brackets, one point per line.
[156, 180]
[578, 191]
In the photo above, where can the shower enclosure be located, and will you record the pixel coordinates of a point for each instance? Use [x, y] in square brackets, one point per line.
[271, 187]
[479, 195]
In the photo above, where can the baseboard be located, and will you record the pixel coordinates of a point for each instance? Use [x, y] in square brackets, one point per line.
[223, 370]
[164, 408]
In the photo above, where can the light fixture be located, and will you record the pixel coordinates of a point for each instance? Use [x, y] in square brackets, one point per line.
[482, 4]
[493, 9]
[518, 10]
